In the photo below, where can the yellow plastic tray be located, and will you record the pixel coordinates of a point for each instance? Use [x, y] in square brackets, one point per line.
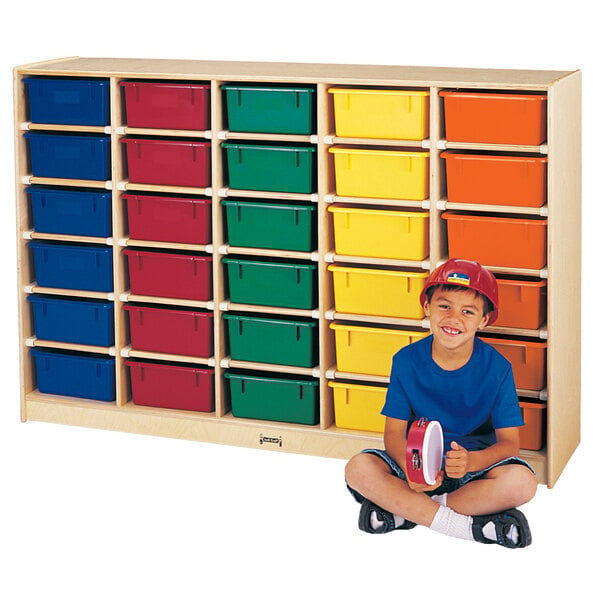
[381, 114]
[358, 406]
[374, 173]
[395, 234]
[378, 292]
[369, 350]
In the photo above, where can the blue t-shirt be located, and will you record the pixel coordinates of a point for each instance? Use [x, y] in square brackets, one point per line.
[470, 402]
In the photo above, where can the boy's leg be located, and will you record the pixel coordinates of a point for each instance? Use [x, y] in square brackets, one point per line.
[372, 478]
[500, 489]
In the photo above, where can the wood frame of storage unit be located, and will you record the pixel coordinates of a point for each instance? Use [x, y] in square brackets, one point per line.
[563, 269]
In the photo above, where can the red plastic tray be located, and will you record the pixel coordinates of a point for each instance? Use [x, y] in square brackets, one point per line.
[169, 219]
[172, 386]
[172, 331]
[170, 275]
[167, 105]
[179, 162]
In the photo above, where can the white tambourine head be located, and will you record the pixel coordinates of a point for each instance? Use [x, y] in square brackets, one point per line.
[433, 451]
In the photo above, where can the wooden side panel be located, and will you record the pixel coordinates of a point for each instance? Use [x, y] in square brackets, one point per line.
[564, 267]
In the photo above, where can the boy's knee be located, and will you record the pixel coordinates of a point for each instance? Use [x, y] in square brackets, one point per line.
[521, 483]
[358, 469]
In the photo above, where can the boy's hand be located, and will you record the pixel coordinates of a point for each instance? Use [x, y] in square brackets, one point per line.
[457, 461]
[423, 487]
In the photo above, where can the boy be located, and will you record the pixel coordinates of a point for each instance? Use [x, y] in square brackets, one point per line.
[457, 379]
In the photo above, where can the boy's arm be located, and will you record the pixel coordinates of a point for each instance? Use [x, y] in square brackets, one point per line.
[459, 460]
[394, 439]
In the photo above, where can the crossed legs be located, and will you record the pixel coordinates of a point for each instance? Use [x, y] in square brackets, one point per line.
[502, 488]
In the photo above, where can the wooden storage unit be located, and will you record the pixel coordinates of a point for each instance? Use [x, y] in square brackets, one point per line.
[562, 270]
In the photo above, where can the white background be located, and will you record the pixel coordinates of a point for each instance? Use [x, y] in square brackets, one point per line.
[93, 514]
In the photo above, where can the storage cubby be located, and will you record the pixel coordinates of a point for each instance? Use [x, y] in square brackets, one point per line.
[233, 252]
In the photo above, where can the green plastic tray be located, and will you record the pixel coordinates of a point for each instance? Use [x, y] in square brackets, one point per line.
[292, 400]
[275, 341]
[286, 284]
[275, 225]
[270, 108]
[271, 167]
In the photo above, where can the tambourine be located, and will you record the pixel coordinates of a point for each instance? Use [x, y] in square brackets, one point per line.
[424, 451]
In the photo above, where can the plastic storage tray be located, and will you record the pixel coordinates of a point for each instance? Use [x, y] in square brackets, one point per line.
[178, 162]
[497, 241]
[280, 226]
[167, 105]
[73, 266]
[68, 100]
[495, 118]
[380, 233]
[288, 399]
[496, 179]
[358, 406]
[377, 292]
[528, 360]
[522, 302]
[184, 220]
[272, 283]
[381, 113]
[71, 212]
[270, 108]
[172, 331]
[69, 156]
[533, 433]
[80, 375]
[369, 350]
[169, 274]
[277, 341]
[176, 386]
[271, 167]
[74, 321]
[373, 173]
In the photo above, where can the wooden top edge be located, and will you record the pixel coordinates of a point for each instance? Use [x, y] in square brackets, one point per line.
[298, 72]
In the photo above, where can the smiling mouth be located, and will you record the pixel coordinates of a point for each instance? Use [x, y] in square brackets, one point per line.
[451, 331]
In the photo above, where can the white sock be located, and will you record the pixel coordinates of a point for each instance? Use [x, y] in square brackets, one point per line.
[451, 523]
[454, 524]
[441, 499]
[489, 530]
[376, 523]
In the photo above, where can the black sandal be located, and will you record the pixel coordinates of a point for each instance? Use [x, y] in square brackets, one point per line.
[503, 522]
[364, 519]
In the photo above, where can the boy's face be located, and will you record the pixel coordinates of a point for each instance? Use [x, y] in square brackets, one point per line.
[455, 317]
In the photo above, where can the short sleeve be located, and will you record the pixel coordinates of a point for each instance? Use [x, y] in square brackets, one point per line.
[506, 411]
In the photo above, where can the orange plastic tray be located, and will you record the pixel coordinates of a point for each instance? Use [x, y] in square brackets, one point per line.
[533, 433]
[522, 303]
[495, 118]
[497, 241]
[528, 360]
[495, 179]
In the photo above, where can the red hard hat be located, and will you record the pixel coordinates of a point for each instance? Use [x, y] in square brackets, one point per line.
[467, 273]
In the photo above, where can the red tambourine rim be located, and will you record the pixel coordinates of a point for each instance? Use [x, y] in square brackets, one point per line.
[424, 451]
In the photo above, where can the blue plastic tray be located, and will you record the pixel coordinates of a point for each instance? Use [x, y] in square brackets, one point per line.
[68, 101]
[69, 156]
[73, 266]
[75, 321]
[71, 212]
[75, 374]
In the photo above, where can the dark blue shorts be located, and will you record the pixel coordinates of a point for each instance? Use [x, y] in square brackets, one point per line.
[449, 484]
